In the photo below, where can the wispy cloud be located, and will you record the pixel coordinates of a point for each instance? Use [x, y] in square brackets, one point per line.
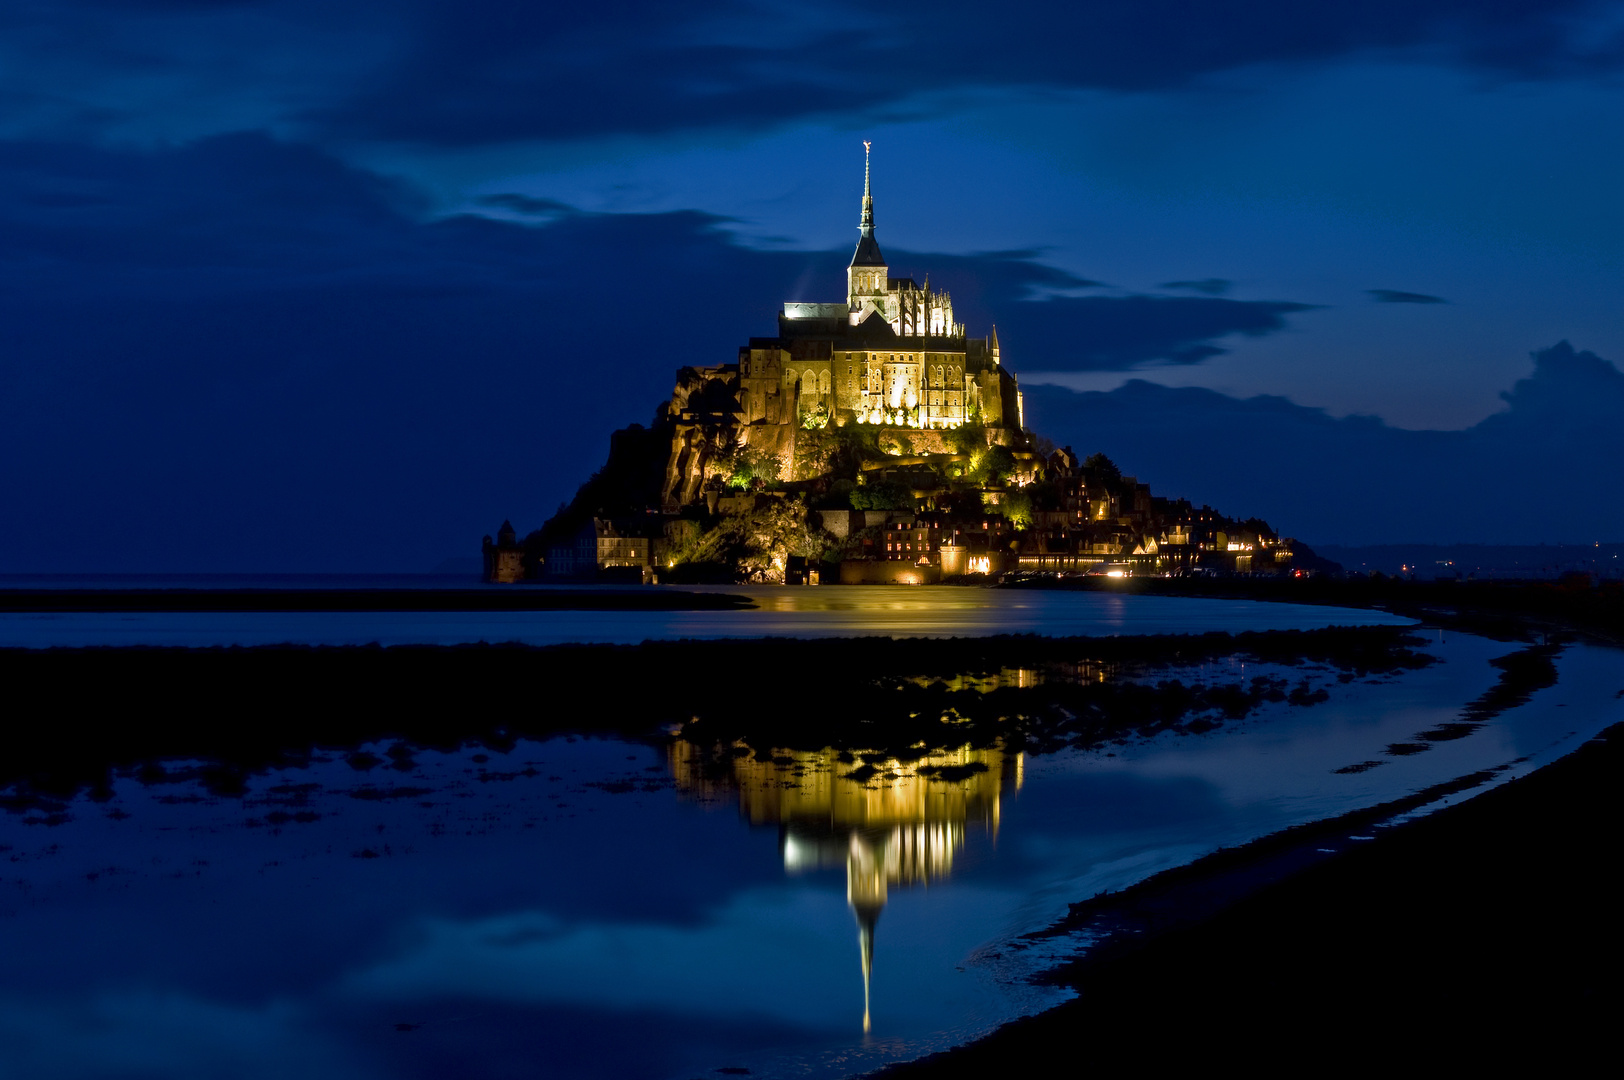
[1358, 480]
[1124, 333]
[1397, 296]
[476, 72]
[1212, 286]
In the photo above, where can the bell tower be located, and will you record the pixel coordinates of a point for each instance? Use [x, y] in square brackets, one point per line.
[867, 276]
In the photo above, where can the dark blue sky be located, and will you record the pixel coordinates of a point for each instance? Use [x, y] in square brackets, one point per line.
[292, 285]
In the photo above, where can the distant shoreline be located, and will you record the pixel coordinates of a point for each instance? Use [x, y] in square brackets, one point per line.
[59, 601]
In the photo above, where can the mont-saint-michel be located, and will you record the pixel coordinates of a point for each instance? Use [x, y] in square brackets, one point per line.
[871, 440]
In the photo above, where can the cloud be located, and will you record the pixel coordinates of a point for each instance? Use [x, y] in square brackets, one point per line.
[1123, 333]
[477, 72]
[165, 1033]
[1213, 286]
[1394, 296]
[243, 354]
[534, 958]
[1544, 470]
[526, 205]
[248, 341]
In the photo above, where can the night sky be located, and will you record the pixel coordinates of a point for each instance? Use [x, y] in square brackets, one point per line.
[302, 286]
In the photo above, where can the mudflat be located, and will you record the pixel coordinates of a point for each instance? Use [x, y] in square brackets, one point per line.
[1485, 933]
[340, 599]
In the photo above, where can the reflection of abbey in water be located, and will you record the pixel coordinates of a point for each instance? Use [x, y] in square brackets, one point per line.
[888, 822]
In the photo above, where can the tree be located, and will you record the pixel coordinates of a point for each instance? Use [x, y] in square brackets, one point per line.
[996, 466]
[1103, 469]
[882, 495]
[815, 418]
[1017, 507]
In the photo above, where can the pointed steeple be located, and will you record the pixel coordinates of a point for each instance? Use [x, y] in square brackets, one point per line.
[868, 250]
[866, 223]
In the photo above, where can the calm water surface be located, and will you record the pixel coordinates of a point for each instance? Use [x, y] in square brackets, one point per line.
[823, 611]
[586, 907]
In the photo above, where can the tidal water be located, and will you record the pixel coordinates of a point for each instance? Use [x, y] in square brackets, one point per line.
[822, 611]
[592, 907]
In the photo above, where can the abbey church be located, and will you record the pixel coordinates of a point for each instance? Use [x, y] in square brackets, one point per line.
[869, 441]
[890, 355]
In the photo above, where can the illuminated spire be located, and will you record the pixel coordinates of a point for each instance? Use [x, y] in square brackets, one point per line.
[868, 249]
[866, 224]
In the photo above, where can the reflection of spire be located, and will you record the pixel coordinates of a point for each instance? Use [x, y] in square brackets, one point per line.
[887, 822]
[867, 916]
[868, 862]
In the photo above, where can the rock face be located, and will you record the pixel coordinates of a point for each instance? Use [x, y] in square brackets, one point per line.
[709, 437]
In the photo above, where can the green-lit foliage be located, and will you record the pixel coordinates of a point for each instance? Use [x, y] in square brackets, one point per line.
[756, 542]
[882, 495]
[747, 465]
[995, 466]
[1017, 507]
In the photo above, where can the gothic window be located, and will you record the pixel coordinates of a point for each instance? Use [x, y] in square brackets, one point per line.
[823, 382]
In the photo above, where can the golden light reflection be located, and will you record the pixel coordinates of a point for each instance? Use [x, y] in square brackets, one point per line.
[888, 822]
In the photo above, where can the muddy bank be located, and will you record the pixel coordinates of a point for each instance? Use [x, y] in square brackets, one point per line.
[79, 717]
[1508, 610]
[1486, 932]
[65, 601]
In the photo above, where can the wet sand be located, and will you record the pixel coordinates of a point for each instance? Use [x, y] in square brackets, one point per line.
[206, 600]
[1485, 933]
[230, 713]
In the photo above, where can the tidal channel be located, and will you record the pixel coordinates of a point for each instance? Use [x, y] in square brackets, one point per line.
[679, 904]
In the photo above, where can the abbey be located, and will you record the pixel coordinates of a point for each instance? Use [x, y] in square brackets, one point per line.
[890, 355]
[868, 441]
[890, 360]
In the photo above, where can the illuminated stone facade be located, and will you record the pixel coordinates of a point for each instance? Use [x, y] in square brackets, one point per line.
[891, 355]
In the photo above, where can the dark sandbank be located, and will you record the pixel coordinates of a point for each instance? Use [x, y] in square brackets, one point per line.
[58, 601]
[82, 716]
[1505, 610]
[1485, 934]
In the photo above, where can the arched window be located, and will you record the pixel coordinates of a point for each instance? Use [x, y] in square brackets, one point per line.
[823, 382]
[809, 382]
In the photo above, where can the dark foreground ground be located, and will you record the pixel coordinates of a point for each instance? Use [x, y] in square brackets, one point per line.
[1487, 934]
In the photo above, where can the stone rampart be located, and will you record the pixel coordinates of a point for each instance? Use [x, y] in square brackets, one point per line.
[886, 572]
